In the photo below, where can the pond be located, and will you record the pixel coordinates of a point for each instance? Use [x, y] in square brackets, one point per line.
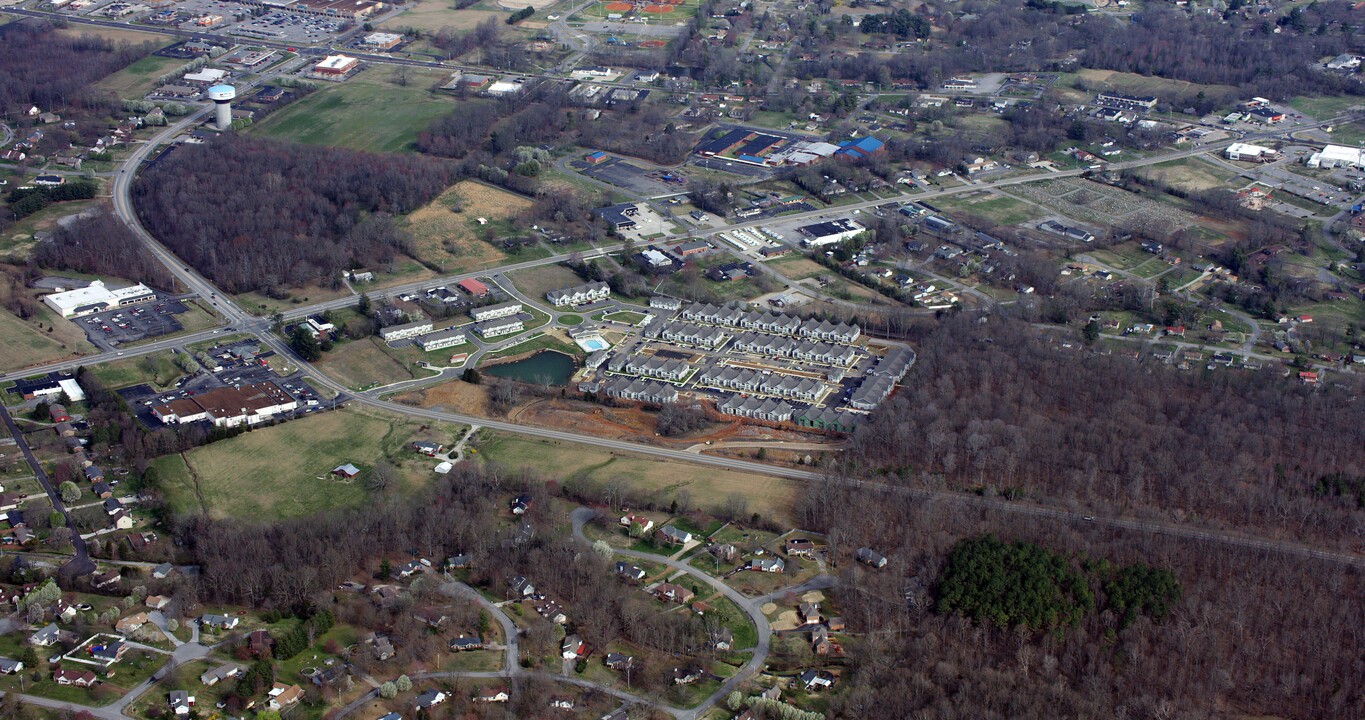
[546, 367]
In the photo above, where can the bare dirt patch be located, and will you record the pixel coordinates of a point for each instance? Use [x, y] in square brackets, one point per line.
[433, 15]
[455, 396]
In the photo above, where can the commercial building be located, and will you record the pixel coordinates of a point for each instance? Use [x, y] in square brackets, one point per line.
[228, 407]
[1246, 152]
[350, 9]
[50, 385]
[95, 297]
[579, 295]
[335, 67]
[473, 287]
[401, 332]
[382, 40]
[620, 217]
[1119, 101]
[1334, 156]
[491, 312]
[444, 339]
[498, 328]
[830, 232]
[205, 76]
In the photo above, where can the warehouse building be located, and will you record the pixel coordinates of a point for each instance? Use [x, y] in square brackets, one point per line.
[95, 297]
[830, 232]
[228, 406]
[1334, 156]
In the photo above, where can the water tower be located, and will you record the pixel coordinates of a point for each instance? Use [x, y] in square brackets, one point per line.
[222, 96]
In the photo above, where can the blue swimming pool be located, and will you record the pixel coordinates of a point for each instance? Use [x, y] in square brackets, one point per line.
[593, 344]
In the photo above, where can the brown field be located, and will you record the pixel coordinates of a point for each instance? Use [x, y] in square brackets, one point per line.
[769, 496]
[25, 344]
[519, 4]
[1186, 175]
[433, 15]
[658, 8]
[619, 7]
[798, 268]
[363, 364]
[535, 282]
[116, 34]
[258, 304]
[452, 240]
[454, 396]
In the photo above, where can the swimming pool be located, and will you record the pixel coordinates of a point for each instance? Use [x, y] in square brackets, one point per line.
[592, 344]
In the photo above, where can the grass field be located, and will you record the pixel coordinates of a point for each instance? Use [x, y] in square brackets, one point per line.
[1323, 107]
[1187, 174]
[17, 239]
[537, 281]
[365, 363]
[1352, 134]
[769, 496]
[24, 344]
[368, 112]
[259, 304]
[453, 240]
[158, 369]
[283, 471]
[139, 78]
[1132, 83]
[798, 267]
[433, 15]
[116, 34]
[999, 209]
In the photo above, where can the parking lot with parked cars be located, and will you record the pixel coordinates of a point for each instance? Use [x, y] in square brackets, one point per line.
[225, 365]
[112, 328]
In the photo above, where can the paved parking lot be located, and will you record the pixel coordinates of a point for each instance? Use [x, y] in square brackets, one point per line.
[112, 328]
[626, 175]
[232, 365]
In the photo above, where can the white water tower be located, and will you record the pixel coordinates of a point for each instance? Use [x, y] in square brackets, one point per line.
[222, 96]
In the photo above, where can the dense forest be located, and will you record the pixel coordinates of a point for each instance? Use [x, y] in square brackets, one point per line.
[991, 407]
[1251, 633]
[263, 215]
[99, 243]
[52, 70]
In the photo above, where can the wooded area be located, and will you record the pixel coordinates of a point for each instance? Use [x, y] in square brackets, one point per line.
[99, 243]
[990, 406]
[1252, 634]
[52, 71]
[262, 215]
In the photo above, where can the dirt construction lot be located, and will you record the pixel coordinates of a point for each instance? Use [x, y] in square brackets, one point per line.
[453, 240]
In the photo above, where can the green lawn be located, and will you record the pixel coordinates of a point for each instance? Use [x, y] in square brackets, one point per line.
[368, 112]
[571, 320]
[1323, 107]
[136, 80]
[1352, 134]
[624, 316]
[998, 209]
[158, 369]
[284, 471]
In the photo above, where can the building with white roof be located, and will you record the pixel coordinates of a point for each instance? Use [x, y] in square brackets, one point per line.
[1250, 153]
[95, 297]
[206, 76]
[1334, 156]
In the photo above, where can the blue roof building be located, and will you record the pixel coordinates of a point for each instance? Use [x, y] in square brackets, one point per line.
[862, 147]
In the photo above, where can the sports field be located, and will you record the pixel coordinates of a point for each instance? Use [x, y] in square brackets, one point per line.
[371, 111]
[453, 240]
[769, 496]
[25, 344]
[285, 471]
[139, 78]
[666, 11]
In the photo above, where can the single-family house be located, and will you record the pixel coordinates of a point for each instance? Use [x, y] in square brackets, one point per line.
[180, 702]
[283, 697]
[47, 636]
[105, 579]
[429, 699]
[213, 676]
[668, 592]
[629, 571]
[521, 587]
[799, 547]
[218, 622]
[466, 642]
[10, 667]
[674, 536]
[871, 557]
[76, 678]
[131, 623]
[766, 564]
[492, 695]
[633, 521]
[618, 661]
[816, 679]
[573, 647]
